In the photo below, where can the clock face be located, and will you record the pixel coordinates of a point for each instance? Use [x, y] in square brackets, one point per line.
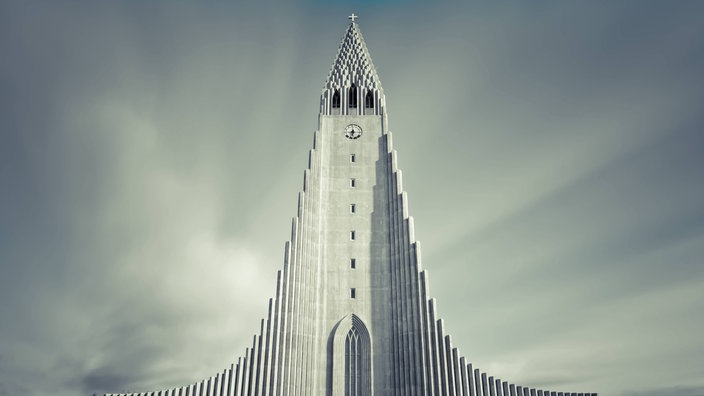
[353, 131]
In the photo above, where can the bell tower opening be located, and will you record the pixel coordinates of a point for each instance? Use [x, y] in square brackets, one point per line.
[353, 96]
[336, 100]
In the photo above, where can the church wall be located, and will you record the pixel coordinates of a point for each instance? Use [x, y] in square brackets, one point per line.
[369, 222]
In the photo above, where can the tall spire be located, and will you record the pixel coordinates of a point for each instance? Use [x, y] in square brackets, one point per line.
[352, 67]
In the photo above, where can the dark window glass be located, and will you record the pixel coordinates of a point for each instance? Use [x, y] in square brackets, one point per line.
[336, 99]
[353, 96]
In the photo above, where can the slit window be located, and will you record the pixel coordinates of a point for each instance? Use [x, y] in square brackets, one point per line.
[336, 99]
[352, 235]
[353, 208]
[369, 100]
[353, 96]
[353, 183]
[353, 158]
[353, 263]
[353, 293]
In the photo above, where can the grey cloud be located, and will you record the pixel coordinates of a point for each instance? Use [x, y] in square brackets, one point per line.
[152, 155]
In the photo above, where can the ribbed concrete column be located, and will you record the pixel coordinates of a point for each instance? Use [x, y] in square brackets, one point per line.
[478, 383]
[471, 381]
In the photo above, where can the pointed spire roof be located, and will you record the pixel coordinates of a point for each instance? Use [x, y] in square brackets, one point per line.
[353, 64]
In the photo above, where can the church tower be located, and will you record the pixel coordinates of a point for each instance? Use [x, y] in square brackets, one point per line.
[352, 315]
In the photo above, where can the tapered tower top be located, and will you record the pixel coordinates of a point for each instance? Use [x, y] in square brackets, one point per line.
[352, 74]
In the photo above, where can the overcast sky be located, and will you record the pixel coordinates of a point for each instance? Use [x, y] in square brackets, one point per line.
[151, 154]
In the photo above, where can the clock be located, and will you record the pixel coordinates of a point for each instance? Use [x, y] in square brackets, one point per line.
[353, 131]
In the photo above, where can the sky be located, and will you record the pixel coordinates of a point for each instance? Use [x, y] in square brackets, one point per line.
[151, 154]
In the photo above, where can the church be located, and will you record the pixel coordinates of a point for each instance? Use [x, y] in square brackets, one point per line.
[352, 314]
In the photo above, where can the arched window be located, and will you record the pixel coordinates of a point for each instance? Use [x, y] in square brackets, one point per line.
[369, 100]
[351, 352]
[353, 369]
[353, 96]
[336, 99]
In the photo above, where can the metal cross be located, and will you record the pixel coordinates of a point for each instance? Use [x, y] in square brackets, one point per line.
[353, 17]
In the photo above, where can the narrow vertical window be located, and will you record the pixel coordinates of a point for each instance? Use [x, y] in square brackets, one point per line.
[353, 158]
[353, 183]
[353, 363]
[336, 99]
[355, 350]
[352, 235]
[369, 100]
[353, 263]
[353, 208]
[353, 293]
[353, 96]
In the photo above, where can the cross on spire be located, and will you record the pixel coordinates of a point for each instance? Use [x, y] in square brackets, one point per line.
[353, 17]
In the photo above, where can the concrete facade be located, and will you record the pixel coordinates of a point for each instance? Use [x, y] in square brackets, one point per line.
[351, 315]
